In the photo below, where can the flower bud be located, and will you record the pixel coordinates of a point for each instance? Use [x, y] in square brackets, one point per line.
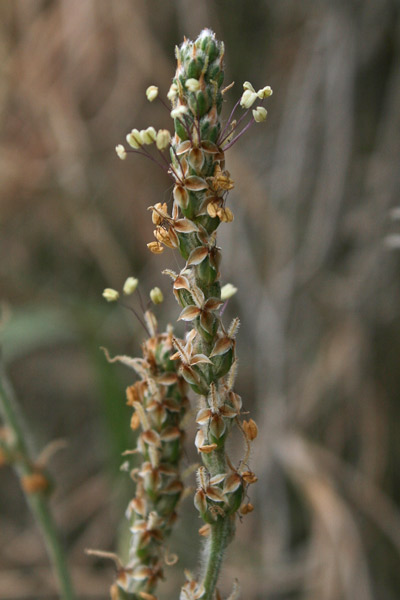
[110, 295]
[227, 291]
[173, 92]
[134, 139]
[179, 111]
[248, 98]
[152, 93]
[259, 114]
[156, 295]
[148, 135]
[120, 150]
[163, 139]
[265, 92]
[193, 85]
[247, 86]
[130, 285]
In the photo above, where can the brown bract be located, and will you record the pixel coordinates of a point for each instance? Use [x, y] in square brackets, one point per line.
[214, 418]
[185, 182]
[202, 308]
[208, 489]
[195, 150]
[168, 227]
[188, 358]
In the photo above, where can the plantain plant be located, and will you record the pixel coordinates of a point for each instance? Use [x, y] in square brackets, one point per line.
[205, 358]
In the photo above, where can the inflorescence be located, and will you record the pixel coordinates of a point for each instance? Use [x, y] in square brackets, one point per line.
[205, 359]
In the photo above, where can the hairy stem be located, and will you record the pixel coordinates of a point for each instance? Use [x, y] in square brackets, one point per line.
[221, 534]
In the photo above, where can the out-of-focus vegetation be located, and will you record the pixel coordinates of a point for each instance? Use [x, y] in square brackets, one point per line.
[318, 293]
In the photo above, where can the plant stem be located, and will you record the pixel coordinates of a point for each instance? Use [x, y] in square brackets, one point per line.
[222, 530]
[221, 534]
[40, 509]
[38, 503]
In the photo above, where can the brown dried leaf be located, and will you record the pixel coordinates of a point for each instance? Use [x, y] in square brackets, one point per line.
[181, 196]
[209, 147]
[217, 426]
[147, 596]
[196, 158]
[135, 421]
[197, 255]
[207, 448]
[175, 487]
[182, 282]
[221, 346]
[200, 358]
[207, 321]
[213, 304]
[205, 530]
[185, 226]
[189, 313]
[151, 437]
[215, 494]
[183, 147]
[167, 379]
[250, 428]
[190, 375]
[170, 434]
[195, 184]
[233, 482]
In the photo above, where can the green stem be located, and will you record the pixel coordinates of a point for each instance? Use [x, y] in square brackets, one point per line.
[222, 530]
[38, 503]
[40, 509]
[221, 535]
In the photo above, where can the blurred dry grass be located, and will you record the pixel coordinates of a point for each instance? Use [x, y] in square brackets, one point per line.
[318, 290]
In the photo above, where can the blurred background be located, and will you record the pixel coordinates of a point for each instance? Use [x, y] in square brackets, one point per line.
[313, 251]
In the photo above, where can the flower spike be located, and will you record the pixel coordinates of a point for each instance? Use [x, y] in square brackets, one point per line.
[206, 359]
